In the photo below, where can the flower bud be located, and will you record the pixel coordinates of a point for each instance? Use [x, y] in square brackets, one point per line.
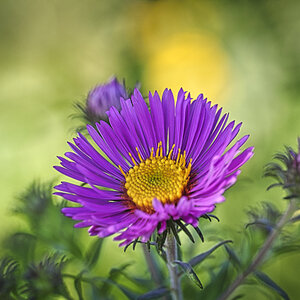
[102, 98]
[287, 174]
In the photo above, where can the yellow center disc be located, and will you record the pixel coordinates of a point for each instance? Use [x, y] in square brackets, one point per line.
[159, 177]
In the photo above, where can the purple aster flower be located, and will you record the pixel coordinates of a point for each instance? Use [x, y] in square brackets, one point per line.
[101, 99]
[167, 163]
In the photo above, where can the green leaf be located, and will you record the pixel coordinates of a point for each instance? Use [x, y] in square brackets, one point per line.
[67, 244]
[271, 284]
[138, 281]
[113, 275]
[128, 293]
[187, 268]
[22, 244]
[199, 258]
[285, 249]
[115, 272]
[238, 297]
[233, 257]
[263, 222]
[219, 282]
[93, 253]
[155, 294]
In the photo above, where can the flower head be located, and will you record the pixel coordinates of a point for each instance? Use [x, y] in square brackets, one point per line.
[165, 163]
[101, 99]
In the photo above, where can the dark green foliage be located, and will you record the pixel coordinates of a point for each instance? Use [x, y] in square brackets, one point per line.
[201, 257]
[78, 286]
[266, 218]
[113, 276]
[45, 279]
[191, 274]
[271, 284]
[220, 280]
[234, 259]
[93, 253]
[155, 294]
[34, 202]
[22, 245]
[8, 278]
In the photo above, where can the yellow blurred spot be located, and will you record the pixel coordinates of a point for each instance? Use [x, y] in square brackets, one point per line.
[196, 62]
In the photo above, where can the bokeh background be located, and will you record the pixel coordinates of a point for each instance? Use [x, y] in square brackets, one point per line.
[243, 55]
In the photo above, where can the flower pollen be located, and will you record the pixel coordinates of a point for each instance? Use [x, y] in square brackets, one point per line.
[162, 177]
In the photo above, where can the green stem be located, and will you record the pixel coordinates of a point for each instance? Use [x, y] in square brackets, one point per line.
[263, 251]
[171, 253]
[152, 266]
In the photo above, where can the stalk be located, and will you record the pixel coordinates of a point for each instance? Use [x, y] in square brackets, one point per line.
[263, 251]
[171, 253]
[155, 274]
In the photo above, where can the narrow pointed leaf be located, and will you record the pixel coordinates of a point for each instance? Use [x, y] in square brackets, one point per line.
[155, 294]
[271, 284]
[128, 293]
[199, 258]
[285, 249]
[238, 297]
[233, 256]
[188, 270]
[117, 271]
[265, 223]
[113, 276]
[218, 284]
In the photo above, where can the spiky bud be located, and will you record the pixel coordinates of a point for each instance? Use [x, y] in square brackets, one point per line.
[286, 172]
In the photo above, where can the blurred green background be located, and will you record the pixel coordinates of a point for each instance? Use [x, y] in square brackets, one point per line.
[244, 55]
